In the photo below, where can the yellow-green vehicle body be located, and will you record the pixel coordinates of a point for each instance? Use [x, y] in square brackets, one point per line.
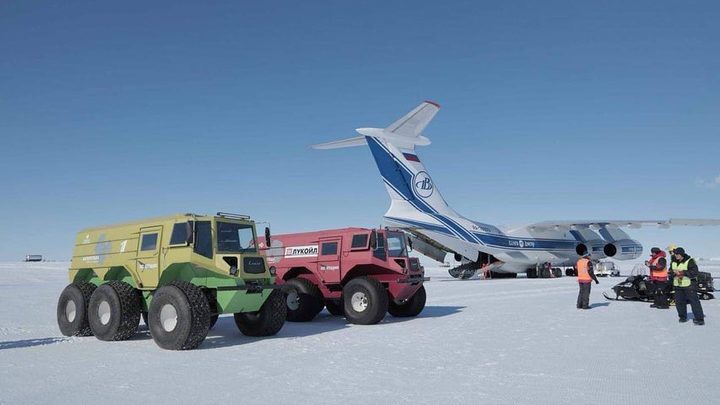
[217, 253]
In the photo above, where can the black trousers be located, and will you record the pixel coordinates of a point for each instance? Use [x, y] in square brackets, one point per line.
[660, 295]
[583, 300]
[688, 295]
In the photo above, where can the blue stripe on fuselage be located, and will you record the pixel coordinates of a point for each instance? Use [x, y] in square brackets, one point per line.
[498, 241]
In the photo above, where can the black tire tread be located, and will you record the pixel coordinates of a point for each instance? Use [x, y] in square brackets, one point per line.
[201, 313]
[382, 303]
[212, 302]
[412, 307]
[335, 307]
[130, 309]
[306, 287]
[272, 316]
[86, 289]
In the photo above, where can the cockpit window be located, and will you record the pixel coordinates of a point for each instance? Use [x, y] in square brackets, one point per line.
[396, 244]
[235, 238]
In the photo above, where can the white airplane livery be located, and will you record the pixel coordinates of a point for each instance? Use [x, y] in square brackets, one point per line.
[435, 229]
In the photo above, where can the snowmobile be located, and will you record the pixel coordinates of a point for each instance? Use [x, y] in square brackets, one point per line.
[638, 287]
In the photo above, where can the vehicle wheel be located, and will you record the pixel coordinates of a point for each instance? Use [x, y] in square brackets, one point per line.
[303, 299]
[267, 321]
[365, 301]
[454, 272]
[212, 302]
[72, 309]
[531, 273]
[557, 272]
[411, 307]
[179, 316]
[114, 311]
[335, 307]
[467, 274]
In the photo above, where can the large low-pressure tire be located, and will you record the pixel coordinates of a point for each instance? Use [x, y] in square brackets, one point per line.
[335, 307]
[267, 321]
[114, 311]
[212, 302]
[557, 273]
[303, 299]
[365, 301]
[411, 307]
[179, 316]
[72, 309]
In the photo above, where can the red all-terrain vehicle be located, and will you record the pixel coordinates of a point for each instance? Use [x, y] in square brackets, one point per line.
[357, 272]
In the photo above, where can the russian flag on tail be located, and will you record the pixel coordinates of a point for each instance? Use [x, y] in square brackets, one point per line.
[411, 157]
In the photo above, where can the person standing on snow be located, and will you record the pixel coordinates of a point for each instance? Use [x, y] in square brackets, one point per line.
[671, 254]
[585, 276]
[658, 276]
[685, 272]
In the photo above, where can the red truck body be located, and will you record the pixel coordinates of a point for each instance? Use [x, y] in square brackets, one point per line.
[331, 259]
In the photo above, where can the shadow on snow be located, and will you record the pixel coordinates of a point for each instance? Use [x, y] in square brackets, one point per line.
[225, 333]
[19, 344]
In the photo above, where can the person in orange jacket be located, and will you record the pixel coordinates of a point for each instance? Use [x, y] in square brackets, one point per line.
[585, 276]
[659, 278]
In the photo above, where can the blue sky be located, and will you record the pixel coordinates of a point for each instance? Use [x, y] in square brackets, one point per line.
[551, 110]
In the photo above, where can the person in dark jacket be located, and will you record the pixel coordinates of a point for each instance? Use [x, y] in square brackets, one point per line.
[685, 272]
[585, 277]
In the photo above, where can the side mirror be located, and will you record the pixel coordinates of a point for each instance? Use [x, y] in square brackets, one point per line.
[267, 237]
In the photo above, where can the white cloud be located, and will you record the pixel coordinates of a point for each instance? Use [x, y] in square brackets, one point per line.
[710, 183]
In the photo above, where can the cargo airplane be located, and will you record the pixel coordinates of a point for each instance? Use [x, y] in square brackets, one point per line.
[435, 229]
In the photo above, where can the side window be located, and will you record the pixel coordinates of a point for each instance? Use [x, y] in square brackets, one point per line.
[329, 248]
[203, 239]
[149, 241]
[359, 241]
[377, 242]
[179, 234]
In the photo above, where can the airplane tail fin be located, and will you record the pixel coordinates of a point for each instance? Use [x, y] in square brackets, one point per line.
[407, 181]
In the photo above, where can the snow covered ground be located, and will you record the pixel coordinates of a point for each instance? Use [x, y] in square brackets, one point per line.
[496, 341]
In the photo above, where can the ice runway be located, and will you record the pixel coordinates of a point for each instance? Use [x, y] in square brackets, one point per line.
[495, 341]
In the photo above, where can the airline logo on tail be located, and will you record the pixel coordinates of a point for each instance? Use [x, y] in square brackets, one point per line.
[423, 185]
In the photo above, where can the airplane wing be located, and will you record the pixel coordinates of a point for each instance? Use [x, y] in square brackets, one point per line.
[629, 223]
[344, 143]
[413, 123]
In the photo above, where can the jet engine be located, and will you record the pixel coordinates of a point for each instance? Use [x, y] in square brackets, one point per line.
[619, 245]
[589, 242]
[624, 249]
[595, 247]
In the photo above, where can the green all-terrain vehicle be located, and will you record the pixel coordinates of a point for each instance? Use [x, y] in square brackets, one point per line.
[177, 272]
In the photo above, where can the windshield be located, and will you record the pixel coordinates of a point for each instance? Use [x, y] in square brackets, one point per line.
[235, 238]
[396, 244]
